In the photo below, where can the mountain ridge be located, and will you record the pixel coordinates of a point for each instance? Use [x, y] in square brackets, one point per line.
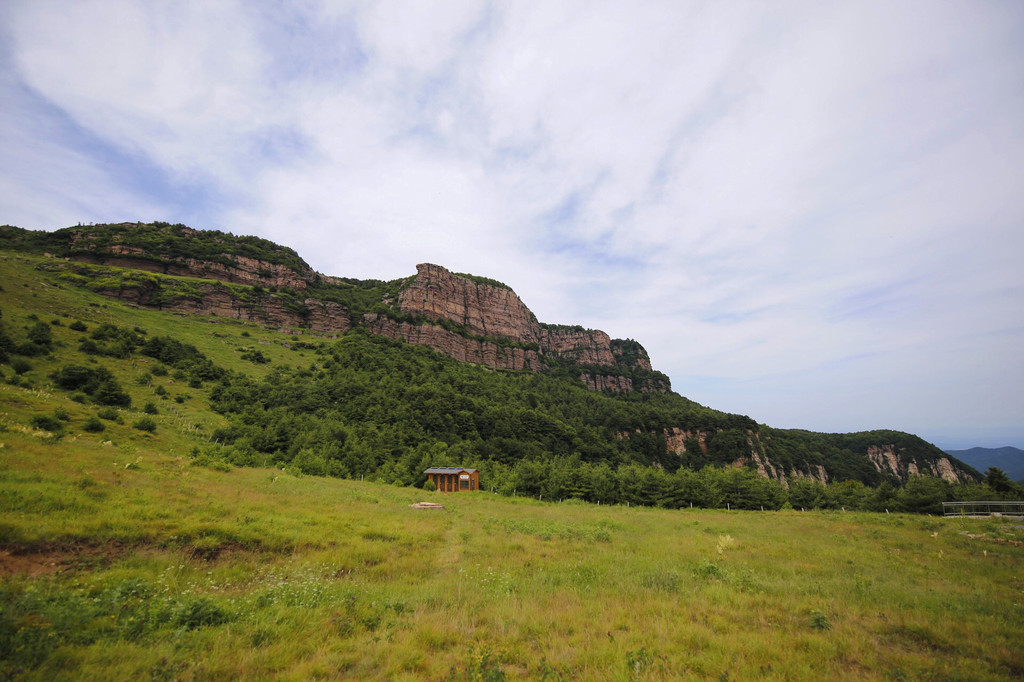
[1007, 458]
[468, 317]
[175, 269]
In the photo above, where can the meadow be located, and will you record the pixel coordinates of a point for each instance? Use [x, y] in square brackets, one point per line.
[123, 563]
[123, 556]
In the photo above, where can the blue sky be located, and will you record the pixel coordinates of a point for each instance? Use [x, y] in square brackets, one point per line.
[809, 213]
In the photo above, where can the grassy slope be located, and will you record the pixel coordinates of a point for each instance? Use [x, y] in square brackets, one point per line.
[121, 561]
[317, 577]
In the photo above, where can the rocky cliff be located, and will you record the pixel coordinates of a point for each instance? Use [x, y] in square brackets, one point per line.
[268, 310]
[833, 452]
[887, 459]
[470, 318]
[494, 313]
[480, 308]
[182, 251]
[479, 351]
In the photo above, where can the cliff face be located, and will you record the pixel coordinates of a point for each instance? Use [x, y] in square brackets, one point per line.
[493, 311]
[454, 345]
[321, 316]
[497, 312]
[887, 459]
[584, 346]
[471, 319]
[483, 309]
[244, 270]
[691, 447]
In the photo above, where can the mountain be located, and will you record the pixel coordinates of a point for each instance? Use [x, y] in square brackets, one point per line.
[435, 368]
[1009, 459]
[470, 318]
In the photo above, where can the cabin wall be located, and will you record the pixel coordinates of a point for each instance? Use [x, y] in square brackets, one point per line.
[452, 483]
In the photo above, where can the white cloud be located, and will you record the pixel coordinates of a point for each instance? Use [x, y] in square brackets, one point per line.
[813, 205]
[176, 82]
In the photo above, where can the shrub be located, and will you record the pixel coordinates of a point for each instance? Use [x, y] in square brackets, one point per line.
[41, 334]
[111, 393]
[145, 424]
[77, 377]
[255, 356]
[78, 326]
[819, 621]
[20, 366]
[31, 350]
[45, 422]
[150, 408]
[108, 413]
[94, 425]
[62, 414]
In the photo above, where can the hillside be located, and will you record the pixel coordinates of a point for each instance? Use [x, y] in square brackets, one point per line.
[470, 318]
[1009, 459]
[172, 507]
[382, 379]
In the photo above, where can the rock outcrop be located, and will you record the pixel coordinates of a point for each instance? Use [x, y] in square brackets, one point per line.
[495, 311]
[464, 349]
[496, 315]
[613, 383]
[482, 309]
[887, 459]
[583, 346]
[321, 316]
[472, 319]
[244, 270]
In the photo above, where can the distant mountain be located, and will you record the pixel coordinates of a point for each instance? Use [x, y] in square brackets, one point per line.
[1009, 459]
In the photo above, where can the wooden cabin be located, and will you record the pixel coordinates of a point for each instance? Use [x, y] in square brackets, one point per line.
[454, 479]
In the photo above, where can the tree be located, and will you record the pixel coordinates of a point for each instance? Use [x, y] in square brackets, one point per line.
[924, 495]
[110, 392]
[806, 493]
[848, 495]
[41, 334]
[997, 479]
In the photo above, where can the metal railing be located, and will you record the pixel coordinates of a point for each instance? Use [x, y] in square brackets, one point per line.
[983, 509]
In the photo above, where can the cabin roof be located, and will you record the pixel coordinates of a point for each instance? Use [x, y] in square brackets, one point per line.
[448, 470]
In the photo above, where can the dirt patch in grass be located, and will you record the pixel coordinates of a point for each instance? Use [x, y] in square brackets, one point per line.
[213, 552]
[1000, 541]
[37, 560]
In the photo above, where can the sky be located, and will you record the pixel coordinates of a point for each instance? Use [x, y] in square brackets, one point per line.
[811, 213]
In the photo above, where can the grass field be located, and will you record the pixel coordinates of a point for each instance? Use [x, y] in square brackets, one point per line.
[133, 564]
[119, 559]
